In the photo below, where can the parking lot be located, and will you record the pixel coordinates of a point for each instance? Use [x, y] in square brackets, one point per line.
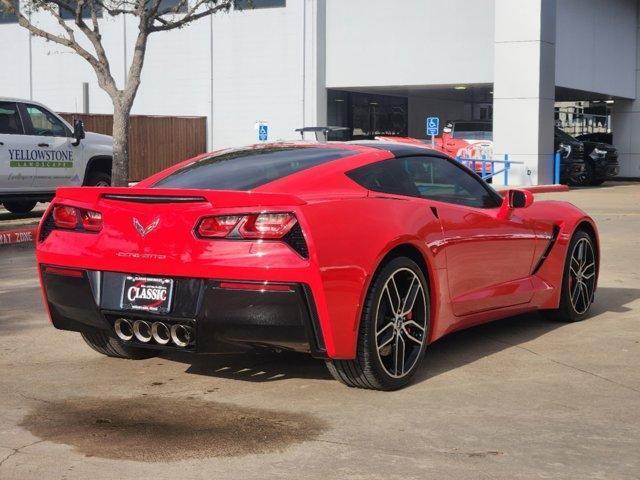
[520, 398]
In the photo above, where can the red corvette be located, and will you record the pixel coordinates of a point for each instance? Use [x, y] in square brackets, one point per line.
[360, 254]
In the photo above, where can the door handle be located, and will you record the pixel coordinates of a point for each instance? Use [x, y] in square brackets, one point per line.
[1, 143]
[43, 144]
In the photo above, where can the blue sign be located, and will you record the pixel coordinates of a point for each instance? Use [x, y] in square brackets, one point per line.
[433, 126]
[263, 132]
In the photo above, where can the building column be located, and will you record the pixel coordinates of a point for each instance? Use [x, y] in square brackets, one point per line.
[625, 120]
[524, 88]
[314, 101]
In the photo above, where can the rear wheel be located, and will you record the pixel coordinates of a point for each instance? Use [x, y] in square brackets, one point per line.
[102, 343]
[393, 330]
[579, 280]
[19, 207]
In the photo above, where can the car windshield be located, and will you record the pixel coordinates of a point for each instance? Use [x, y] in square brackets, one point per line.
[249, 168]
[473, 130]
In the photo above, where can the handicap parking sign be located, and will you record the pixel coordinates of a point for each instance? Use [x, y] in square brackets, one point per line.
[433, 125]
[263, 132]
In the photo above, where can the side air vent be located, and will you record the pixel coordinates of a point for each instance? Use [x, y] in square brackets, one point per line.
[547, 251]
[296, 240]
[153, 198]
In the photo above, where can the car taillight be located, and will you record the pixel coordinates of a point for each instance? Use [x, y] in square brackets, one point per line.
[267, 225]
[270, 226]
[91, 220]
[65, 217]
[218, 227]
[72, 218]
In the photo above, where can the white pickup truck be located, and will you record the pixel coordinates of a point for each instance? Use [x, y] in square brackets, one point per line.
[40, 151]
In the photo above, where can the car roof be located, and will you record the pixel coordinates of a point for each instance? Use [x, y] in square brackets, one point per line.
[399, 149]
[396, 149]
[23, 100]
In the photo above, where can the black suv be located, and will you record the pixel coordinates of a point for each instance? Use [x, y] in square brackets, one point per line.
[572, 164]
[600, 159]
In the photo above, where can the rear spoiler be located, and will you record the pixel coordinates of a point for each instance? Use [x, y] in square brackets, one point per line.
[217, 198]
[535, 189]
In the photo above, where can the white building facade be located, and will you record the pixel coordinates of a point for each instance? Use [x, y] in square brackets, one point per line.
[368, 64]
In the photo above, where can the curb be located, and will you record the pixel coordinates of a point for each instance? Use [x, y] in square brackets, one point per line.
[547, 188]
[19, 235]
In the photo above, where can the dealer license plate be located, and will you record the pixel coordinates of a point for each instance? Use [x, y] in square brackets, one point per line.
[147, 294]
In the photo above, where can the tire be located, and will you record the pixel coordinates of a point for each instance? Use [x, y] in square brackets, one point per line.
[596, 182]
[102, 343]
[377, 365]
[589, 175]
[19, 207]
[574, 304]
[98, 179]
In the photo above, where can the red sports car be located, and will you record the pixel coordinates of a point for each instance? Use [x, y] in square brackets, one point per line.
[360, 254]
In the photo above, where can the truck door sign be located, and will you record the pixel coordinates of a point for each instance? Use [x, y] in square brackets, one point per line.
[40, 158]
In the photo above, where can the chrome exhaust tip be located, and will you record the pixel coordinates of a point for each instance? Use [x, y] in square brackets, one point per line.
[123, 329]
[160, 333]
[181, 335]
[142, 331]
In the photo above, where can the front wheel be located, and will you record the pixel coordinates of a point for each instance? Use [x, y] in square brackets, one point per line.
[19, 207]
[99, 179]
[393, 330]
[579, 280]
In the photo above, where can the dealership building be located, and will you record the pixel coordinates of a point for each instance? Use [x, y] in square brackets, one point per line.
[375, 66]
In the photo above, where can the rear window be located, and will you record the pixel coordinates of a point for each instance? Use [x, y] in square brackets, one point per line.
[249, 168]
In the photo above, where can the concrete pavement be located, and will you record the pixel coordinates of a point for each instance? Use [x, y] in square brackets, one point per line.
[521, 398]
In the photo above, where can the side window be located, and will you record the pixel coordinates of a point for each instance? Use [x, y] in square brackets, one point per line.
[44, 123]
[442, 180]
[10, 119]
[426, 177]
[388, 176]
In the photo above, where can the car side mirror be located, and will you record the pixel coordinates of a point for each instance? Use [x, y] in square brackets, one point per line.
[514, 199]
[520, 198]
[78, 131]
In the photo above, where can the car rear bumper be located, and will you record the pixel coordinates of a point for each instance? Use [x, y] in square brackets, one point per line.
[223, 313]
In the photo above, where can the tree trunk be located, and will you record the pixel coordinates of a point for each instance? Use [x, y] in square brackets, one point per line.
[120, 165]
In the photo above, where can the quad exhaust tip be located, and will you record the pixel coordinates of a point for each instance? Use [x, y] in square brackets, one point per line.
[142, 331]
[124, 329]
[161, 333]
[181, 335]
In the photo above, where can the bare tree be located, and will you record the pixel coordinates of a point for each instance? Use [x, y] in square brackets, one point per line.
[152, 17]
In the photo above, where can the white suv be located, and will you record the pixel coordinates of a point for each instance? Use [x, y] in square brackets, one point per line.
[40, 151]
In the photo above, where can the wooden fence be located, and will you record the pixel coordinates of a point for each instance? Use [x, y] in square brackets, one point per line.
[155, 142]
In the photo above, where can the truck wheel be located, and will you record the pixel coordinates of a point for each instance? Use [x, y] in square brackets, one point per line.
[19, 207]
[588, 177]
[99, 179]
[102, 343]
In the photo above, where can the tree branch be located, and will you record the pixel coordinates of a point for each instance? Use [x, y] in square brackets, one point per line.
[190, 16]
